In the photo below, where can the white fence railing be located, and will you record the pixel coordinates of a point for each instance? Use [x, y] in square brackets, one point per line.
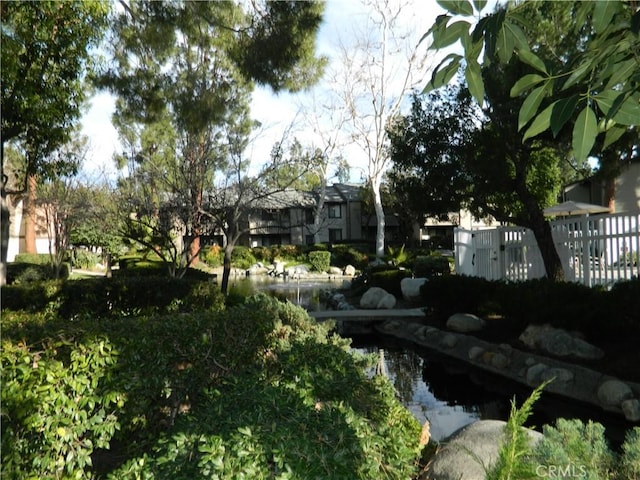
[594, 250]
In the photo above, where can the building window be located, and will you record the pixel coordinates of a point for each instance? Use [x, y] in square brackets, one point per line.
[309, 239]
[335, 235]
[335, 210]
[308, 216]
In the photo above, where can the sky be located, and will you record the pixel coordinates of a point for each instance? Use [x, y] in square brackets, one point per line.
[275, 112]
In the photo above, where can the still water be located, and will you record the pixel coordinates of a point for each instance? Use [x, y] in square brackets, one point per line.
[449, 394]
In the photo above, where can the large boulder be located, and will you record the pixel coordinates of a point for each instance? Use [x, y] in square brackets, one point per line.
[349, 270]
[613, 392]
[469, 451]
[377, 298]
[559, 342]
[411, 288]
[465, 323]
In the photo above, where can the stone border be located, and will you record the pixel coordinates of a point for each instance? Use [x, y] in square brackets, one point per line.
[570, 380]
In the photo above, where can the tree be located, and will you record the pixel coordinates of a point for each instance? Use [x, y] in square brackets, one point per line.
[192, 64]
[598, 86]
[46, 52]
[238, 193]
[458, 157]
[65, 202]
[376, 73]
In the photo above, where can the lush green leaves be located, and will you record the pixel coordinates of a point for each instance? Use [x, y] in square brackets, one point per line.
[604, 62]
[259, 390]
[584, 132]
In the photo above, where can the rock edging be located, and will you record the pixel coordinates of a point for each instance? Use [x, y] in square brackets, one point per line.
[570, 380]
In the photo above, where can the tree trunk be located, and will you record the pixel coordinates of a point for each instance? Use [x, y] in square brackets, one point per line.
[226, 269]
[4, 230]
[194, 250]
[610, 194]
[380, 224]
[552, 263]
[30, 225]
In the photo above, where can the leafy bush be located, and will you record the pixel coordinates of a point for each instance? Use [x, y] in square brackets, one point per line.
[84, 259]
[320, 260]
[55, 407]
[356, 255]
[33, 258]
[242, 257]
[212, 256]
[116, 296]
[33, 268]
[430, 266]
[570, 449]
[259, 390]
[630, 458]
[389, 279]
[578, 446]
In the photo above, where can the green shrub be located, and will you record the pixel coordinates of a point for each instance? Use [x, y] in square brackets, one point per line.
[33, 258]
[570, 449]
[242, 257]
[630, 459]
[320, 260]
[84, 259]
[389, 279]
[578, 446]
[102, 296]
[347, 254]
[55, 407]
[308, 410]
[212, 256]
[258, 390]
[431, 266]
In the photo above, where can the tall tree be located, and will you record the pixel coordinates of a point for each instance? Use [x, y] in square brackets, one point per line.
[65, 201]
[238, 193]
[376, 72]
[46, 52]
[193, 63]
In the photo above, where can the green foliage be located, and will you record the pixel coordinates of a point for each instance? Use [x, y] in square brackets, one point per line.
[578, 446]
[212, 256]
[347, 254]
[512, 462]
[33, 258]
[57, 39]
[570, 449]
[102, 297]
[600, 65]
[562, 304]
[309, 411]
[29, 268]
[320, 260]
[259, 390]
[630, 460]
[56, 407]
[398, 256]
[387, 278]
[84, 259]
[430, 266]
[242, 257]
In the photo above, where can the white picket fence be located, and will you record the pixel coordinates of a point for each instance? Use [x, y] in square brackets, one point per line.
[594, 250]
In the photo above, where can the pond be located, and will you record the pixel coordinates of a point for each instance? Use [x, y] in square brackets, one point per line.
[450, 394]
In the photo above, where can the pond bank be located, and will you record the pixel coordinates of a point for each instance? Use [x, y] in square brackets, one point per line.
[613, 395]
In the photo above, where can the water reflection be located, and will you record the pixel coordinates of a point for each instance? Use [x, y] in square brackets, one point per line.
[303, 292]
[433, 391]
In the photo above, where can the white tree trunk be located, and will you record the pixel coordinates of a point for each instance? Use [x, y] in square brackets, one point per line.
[380, 224]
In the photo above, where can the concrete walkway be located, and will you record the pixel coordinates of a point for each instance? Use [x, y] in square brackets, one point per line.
[368, 316]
